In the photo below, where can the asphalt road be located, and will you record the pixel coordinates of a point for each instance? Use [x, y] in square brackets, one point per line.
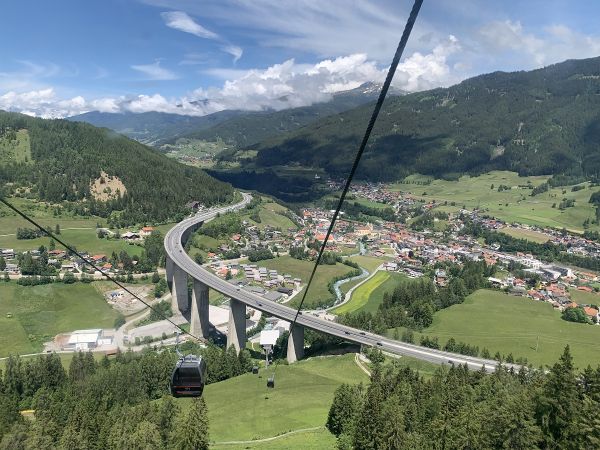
[175, 251]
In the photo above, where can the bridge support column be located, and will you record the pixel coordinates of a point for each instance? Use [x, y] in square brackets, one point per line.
[295, 349]
[169, 269]
[179, 290]
[199, 316]
[236, 334]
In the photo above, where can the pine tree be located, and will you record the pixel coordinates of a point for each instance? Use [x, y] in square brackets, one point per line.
[558, 405]
[191, 431]
[71, 439]
[393, 429]
[368, 430]
[145, 437]
[346, 402]
[9, 412]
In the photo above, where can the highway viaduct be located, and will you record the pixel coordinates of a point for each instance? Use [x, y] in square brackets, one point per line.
[179, 266]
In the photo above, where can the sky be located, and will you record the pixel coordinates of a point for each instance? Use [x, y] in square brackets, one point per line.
[196, 57]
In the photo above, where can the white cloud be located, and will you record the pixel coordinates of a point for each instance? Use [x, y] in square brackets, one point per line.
[553, 44]
[45, 103]
[181, 21]
[324, 28]
[155, 71]
[234, 51]
[280, 86]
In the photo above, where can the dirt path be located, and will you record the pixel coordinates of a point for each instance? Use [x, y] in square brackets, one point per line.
[254, 441]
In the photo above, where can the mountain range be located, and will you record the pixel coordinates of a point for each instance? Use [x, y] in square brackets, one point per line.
[236, 128]
[545, 121]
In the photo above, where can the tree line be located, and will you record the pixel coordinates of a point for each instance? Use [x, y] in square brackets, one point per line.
[413, 303]
[111, 403]
[547, 251]
[457, 408]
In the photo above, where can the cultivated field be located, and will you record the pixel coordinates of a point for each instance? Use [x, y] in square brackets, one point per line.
[41, 312]
[369, 295]
[510, 324]
[513, 205]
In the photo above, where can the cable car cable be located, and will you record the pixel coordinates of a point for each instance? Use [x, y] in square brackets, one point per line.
[384, 89]
[94, 266]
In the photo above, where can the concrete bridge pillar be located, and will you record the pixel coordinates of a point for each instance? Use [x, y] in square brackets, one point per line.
[295, 349]
[236, 334]
[179, 290]
[169, 269]
[199, 316]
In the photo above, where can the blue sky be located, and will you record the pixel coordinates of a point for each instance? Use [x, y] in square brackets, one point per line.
[196, 57]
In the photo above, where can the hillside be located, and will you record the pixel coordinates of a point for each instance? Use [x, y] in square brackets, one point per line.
[544, 121]
[68, 158]
[253, 127]
[150, 127]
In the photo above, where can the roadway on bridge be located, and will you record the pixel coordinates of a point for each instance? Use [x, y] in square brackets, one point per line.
[175, 251]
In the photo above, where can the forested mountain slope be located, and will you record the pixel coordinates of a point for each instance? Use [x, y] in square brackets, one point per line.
[538, 122]
[66, 158]
[152, 127]
[253, 127]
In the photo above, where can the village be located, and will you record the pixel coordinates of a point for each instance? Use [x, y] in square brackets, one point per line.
[401, 247]
[415, 253]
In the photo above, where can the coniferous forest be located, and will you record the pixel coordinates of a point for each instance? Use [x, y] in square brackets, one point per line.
[119, 403]
[458, 409]
[543, 121]
[67, 156]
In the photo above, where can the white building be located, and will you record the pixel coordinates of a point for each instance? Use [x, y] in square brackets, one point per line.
[83, 340]
[269, 337]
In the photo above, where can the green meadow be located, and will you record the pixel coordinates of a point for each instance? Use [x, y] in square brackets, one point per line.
[513, 205]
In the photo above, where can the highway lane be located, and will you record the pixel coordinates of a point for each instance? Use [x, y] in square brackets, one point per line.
[175, 251]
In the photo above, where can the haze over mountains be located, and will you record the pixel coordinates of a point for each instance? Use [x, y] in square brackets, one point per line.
[238, 128]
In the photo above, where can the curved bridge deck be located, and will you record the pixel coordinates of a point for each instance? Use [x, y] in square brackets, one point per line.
[180, 266]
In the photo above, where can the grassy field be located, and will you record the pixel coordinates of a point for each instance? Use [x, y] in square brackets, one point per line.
[269, 214]
[585, 298]
[370, 203]
[15, 151]
[513, 205]
[368, 262]
[369, 295]
[320, 439]
[301, 399]
[510, 324]
[75, 230]
[319, 290]
[40, 312]
[530, 235]
[82, 239]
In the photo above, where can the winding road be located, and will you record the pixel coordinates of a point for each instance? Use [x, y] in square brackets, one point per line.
[174, 246]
